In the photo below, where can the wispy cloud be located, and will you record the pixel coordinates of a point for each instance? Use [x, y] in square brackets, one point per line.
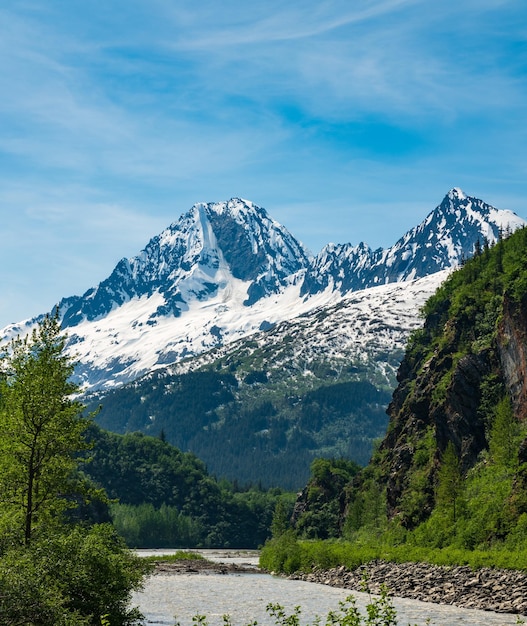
[116, 117]
[212, 27]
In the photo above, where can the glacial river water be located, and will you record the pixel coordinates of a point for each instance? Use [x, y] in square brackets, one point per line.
[168, 597]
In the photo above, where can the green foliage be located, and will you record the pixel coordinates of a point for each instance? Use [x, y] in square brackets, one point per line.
[321, 516]
[282, 554]
[505, 435]
[415, 498]
[42, 429]
[252, 419]
[282, 515]
[147, 527]
[327, 554]
[379, 612]
[54, 571]
[71, 578]
[366, 515]
[450, 482]
[168, 499]
[179, 555]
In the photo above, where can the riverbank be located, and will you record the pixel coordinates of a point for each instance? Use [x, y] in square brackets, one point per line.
[202, 566]
[501, 591]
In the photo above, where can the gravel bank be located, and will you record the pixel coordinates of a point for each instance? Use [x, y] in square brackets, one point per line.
[502, 591]
[201, 566]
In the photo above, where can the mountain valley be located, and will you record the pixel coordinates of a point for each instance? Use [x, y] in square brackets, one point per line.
[229, 338]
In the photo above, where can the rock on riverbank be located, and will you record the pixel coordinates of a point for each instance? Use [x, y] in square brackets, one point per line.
[502, 591]
[201, 566]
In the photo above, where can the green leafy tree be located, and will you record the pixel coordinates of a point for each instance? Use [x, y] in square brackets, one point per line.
[42, 428]
[71, 579]
[53, 571]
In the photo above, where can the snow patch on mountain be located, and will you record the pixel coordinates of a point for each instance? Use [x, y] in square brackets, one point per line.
[226, 270]
[370, 326]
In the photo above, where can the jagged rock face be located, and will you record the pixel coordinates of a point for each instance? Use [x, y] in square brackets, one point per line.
[449, 234]
[512, 346]
[415, 413]
[341, 266]
[256, 248]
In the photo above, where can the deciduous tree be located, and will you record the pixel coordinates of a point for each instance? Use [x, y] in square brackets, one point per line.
[42, 428]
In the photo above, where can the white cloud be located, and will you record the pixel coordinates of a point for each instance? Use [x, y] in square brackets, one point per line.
[115, 118]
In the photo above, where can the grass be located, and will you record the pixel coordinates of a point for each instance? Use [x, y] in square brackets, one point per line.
[180, 555]
[287, 555]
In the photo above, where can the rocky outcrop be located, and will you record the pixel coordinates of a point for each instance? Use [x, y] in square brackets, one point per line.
[415, 410]
[442, 395]
[512, 346]
[502, 591]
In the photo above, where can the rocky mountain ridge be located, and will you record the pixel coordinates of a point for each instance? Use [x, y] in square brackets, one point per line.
[442, 240]
[225, 270]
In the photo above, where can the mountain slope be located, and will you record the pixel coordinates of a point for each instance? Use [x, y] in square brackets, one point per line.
[261, 408]
[448, 235]
[226, 270]
[452, 468]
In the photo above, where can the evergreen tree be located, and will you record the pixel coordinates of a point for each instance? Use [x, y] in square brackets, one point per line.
[450, 481]
[281, 518]
[504, 435]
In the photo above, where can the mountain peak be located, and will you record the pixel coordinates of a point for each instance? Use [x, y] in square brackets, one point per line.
[456, 194]
[211, 249]
[225, 269]
[234, 206]
[447, 235]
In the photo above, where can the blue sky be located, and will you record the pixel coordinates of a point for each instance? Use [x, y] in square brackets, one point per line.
[347, 120]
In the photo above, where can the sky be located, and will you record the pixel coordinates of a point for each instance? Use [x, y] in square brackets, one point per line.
[348, 120]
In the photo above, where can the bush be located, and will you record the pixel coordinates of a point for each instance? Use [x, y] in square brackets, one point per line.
[74, 578]
[282, 554]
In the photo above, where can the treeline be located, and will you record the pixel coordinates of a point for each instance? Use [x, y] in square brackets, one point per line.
[166, 498]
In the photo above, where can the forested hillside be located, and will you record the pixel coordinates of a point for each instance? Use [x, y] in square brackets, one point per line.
[166, 498]
[452, 469]
[254, 420]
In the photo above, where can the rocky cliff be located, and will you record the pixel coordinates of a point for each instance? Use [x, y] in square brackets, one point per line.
[512, 346]
[471, 352]
[453, 464]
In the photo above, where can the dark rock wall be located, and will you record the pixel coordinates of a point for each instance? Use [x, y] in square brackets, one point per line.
[416, 409]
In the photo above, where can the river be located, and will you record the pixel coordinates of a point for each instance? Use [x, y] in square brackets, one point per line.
[168, 597]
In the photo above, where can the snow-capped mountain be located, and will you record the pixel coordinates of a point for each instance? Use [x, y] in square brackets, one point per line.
[211, 248]
[369, 326]
[226, 270]
[314, 386]
[442, 240]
